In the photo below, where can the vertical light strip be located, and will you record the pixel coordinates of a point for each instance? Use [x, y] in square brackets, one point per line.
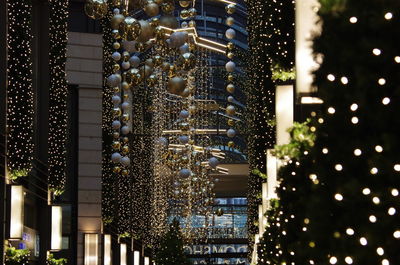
[56, 227]
[136, 258]
[261, 227]
[17, 212]
[123, 254]
[91, 249]
[272, 175]
[306, 26]
[284, 113]
[146, 261]
[107, 249]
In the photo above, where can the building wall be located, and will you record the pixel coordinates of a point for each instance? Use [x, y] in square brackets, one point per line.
[84, 69]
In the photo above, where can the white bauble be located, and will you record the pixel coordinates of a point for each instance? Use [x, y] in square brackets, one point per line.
[116, 99]
[213, 162]
[125, 106]
[134, 61]
[184, 24]
[116, 125]
[125, 161]
[114, 80]
[116, 56]
[184, 114]
[184, 173]
[230, 34]
[230, 110]
[125, 130]
[116, 157]
[231, 133]
[231, 99]
[230, 66]
[126, 65]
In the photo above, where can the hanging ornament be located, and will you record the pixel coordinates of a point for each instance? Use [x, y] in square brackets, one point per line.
[151, 9]
[146, 33]
[129, 29]
[230, 66]
[184, 3]
[185, 14]
[230, 110]
[176, 85]
[231, 133]
[169, 21]
[192, 12]
[230, 21]
[230, 34]
[230, 9]
[96, 9]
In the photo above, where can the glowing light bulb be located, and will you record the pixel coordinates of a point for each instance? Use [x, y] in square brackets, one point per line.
[382, 81]
[366, 191]
[353, 20]
[376, 200]
[374, 171]
[380, 251]
[338, 167]
[357, 152]
[348, 260]
[350, 231]
[397, 59]
[331, 77]
[395, 192]
[338, 197]
[372, 218]
[333, 260]
[378, 148]
[392, 211]
[397, 167]
[354, 120]
[363, 241]
[344, 80]
[385, 101]
[325, 151]
[388, 16]
[376, 52]
[331, 110]
[354, 107]
[396, 234]
[385, 262]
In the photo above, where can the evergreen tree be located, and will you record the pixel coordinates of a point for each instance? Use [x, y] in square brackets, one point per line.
[349, 214]
[171, 250]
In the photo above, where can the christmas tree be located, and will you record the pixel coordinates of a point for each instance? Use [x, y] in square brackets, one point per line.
[171, 250]
[349, 215]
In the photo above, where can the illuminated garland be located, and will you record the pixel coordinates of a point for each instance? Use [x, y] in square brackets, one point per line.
[108, 176]
[20, 109]
[58, 133]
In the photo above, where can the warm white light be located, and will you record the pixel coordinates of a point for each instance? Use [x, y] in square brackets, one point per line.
[344, 80]
[396, 234]
[397, 59]
[331, 110]
[17, 212]
[385, 262]
[376, 52]
[382, 81]
[348, 260]
[395, 192]
[376, 200]
[136, 258]
[378, 148]
[338, 197]
[325, 151]
[374, 170]
[388, 16]
[363, 241]
[146, 261]
[350, 231]
[123, 259]
[311, 100]
[385, 101]
[357, 152]
[366, 191]
[338, 167]
[354, 107]
[331, 77]
[333, 260]
[56, 227]
[372, 218]
[392, 211]
[354, 120]
[353, 20]
[91, 249]
[380, 251]
[397, 167]
[107, 249]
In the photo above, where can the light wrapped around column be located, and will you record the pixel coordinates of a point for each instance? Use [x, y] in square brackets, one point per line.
[56, 227]
[17, 212]
[136, 258]
[91, 249]
[123, 260]
[146, 261]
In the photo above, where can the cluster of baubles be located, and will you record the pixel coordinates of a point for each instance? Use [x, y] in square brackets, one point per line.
[188, 13]
[230, 67]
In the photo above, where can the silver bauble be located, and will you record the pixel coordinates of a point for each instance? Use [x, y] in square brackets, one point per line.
[230, 34]
[125, 130]
[213, 162]
[230, 21]
[134, 61]
[146, 31]
[178, 38]
[126, 65]
[116, 56]
[152, 9]
[230, 110]
[184, 173]
[116, 125]
[114, 80]
[125, 106]
[125, 161]
[116, 157]
[231, 99]
[230, 66]
[184, 48]
[116, 99]
[184, 114]
[231, 133]
[169, 21]
[176, 85]
[96, 9]
[183, 139]
[129, 46]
